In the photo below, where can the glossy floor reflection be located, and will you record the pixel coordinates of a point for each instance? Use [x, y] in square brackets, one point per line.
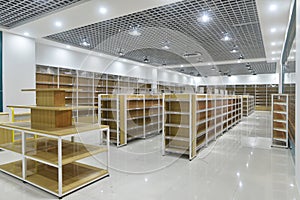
[239, 165]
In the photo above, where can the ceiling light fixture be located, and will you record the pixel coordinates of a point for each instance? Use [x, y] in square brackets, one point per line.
[241, 57]
[234, 49]
[85, 43]
[226, 37]
[58, 24]
[273, 30]
[68, 46]
[199, 75]
[213, 68]
[146, 60]
[204, 17]
[248, 65]
[102, 10]
[273, 7]
[166, 45]
[135, 31]
[26, 34]
[181, 70]
[273, 43]
[121, 52]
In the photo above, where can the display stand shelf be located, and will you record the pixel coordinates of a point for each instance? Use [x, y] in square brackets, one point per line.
[248, 105]
[280, 120]
[191, 121]
[49, 156]
[130, 116]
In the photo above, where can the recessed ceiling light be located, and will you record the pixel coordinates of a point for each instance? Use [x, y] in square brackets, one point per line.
[273, 52]
[273, 43]
[166, 47]
[275, 58]
[68, 46]
[85, 43]
[273, 30]
[204, 18]
[181, 65]
[134, 31]
[146, 60]
[234, 51]
[58, 24]
[273, 7]
[102, 10]
[294, 50]
[26, 33]
[291, 57]
[226, 37]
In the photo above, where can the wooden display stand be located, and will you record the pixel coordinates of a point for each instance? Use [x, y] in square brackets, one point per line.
[130, 116]
[49, 158]
[248, 105]
[280, 125]
[191, 121]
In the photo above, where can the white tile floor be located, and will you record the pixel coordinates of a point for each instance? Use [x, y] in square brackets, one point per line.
[240, 165]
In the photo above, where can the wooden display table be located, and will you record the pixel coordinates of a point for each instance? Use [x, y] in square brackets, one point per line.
[49, 157]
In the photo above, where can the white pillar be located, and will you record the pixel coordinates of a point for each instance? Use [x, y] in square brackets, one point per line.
[297, 111]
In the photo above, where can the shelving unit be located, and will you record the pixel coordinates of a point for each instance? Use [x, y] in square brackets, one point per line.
[49, 158]
[248, 105]
[191, 121]
[130, 116]
[280, 119]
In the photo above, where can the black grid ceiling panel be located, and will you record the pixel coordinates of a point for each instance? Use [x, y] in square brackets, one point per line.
[233, 69]
[238, 18]
[17, 12]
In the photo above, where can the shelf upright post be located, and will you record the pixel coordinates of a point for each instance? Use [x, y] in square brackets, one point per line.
[24, 162]
[287, 121]
[215, 115]
[93, 96]
[272, 117]
[118, 118]
[144, 118]
[59, 141]
[99, 116]
[58, 75]
[107, 146]
[77, 95]
[206, 121]
[125, 117]
[163, 126]
[190, 128]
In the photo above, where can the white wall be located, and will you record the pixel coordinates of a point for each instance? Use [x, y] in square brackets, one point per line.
[18, 70]
[60, 57]
[239, 80]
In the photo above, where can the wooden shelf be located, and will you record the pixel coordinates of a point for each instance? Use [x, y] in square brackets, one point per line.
[75, 175]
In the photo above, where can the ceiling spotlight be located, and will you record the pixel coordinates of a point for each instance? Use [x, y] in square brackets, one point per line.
[58, 24]
[181, 65]
[135, 31]
[248, 65]
[164, 64]
[213, 68]
[273, 43]
[273, 7]
[204, 17]
[102, 10]
[68, 46]
[229, 75]
[226, 37]
[273, 30]
[220, 71]
[146, 60]
[254, 73]
[121, 52]
[26, 34]
[234, 49]
[241, 57]
[166, 45]
[199, 75]
[249, 69]
[85, 43]
[181, 70]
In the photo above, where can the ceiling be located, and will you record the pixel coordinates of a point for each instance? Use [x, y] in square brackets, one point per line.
[17, 12]
[177, 26]
[172, 34]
